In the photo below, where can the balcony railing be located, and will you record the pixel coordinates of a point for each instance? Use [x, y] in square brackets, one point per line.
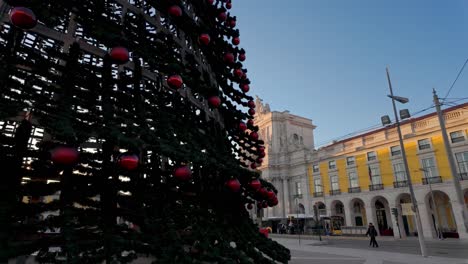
[400, 184]
[376, 187]
[435, 179]
[335, 192]
[463, 176]
[299, 196]
[318, 194]
[354, 190]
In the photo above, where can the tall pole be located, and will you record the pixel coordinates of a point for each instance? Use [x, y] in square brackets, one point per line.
[422, 243]
[453, 170]
[434, 205]
[297, 214]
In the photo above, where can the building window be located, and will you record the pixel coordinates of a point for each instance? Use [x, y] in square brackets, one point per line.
[395, 150]
[298, 188]
[334, 183]
[457, 136]
[318, 185]
[424, 144]
[371, 156]
[353, 179]
[462, 161]
[315, 168]
[332, 164]
[399, 172]
[350, 161]
[429, 168]
[374, 175]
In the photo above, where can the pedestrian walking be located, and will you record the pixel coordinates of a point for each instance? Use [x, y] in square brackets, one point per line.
[372, 233]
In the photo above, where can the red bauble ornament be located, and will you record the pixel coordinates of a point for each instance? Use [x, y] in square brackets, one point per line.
[222, 16]
[254, 135]
[273, 202]
[249, 206]
[253, 166]
[210, 2]
[175, 11]
[232, 23]
[255, 184]
[175, 81]
[183, 173]
[270, 194]
[263, 192]
[242, 57]
[245, 88]
[259, 160]
[119, 55]
[265, 204]
[261, 149]
[214, 101]
[261, 154]
[128, 161]
[236, 41]
[233, 185]
[251, 111]
[64, 156]
[250, 122]
[251, 104]
[23, 18]
[229, 58]
[204, 39]
[229, 5]
[238, 73]
[242, 126]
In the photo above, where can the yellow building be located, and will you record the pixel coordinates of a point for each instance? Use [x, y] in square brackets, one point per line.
[360, 179]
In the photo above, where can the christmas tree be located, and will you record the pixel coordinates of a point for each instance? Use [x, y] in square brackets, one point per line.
[127, 132]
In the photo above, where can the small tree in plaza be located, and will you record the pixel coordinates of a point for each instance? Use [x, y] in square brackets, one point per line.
[126, 132]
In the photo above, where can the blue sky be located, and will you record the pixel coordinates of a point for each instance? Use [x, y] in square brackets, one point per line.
[326, 59]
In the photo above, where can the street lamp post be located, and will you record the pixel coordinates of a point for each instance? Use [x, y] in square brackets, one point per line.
[405, 162]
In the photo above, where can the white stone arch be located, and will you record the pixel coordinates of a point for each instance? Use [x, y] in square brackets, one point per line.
[337, 209]
[382, 215]
[406, 223]
[440, 213]
[465, 196]
[357, 212]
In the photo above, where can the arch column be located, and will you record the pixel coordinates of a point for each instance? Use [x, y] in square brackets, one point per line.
[348, 216]
[426, 222]
[400, 222]
[305, 188]
[459, 220]
[285, 197]
[371, 217]
[395, 222]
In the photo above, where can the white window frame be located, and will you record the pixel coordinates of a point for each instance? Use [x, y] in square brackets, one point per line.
[334, 185]
[458, 139]
[399, 172]
[462, 162]
[353, 179]
[318, 188]
[332, 165]
[429, 167]
[315, 168]
[372, 157]
[351, 160]
[429, 144]
[375, 175]
[298, 187]
[395, 150]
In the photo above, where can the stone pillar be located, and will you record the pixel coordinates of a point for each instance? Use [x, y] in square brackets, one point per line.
[371, 216]
[458, 214]
[400, 222]
[286, 197]
[427, 226]
[395, 221]
[306, 196]
[348, 215]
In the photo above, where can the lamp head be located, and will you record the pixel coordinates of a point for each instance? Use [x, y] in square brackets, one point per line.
[400, 99]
